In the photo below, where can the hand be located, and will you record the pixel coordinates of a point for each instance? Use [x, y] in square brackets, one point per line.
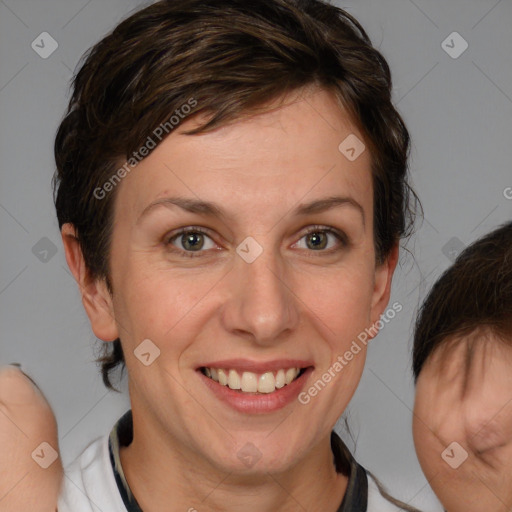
[26, 421]
[473, 408]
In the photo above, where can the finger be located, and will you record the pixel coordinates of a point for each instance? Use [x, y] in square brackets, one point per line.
[30, 467]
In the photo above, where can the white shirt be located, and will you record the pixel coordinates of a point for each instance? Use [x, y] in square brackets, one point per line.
[89, 484]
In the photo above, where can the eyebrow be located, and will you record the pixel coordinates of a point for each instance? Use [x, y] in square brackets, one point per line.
[214, 210]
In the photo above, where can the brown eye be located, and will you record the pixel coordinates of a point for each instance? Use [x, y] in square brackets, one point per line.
[192, 240]
[318, 239]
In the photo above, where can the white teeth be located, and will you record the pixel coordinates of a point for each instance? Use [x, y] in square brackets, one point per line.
[267, 383]
[291, 373]
[251, 382]
[234, 380]
[280, 379]
[223, 378]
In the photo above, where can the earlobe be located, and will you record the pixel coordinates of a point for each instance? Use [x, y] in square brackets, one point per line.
[96, 298]
[382, 288]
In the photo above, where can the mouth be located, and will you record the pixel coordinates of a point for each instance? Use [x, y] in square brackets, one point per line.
[247, 382]
[256, 387]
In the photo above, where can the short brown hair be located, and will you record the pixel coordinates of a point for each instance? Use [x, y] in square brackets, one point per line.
[474, 295]
[232, 57]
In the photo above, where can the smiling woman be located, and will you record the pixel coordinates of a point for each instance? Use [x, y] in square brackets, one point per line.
[238, 259]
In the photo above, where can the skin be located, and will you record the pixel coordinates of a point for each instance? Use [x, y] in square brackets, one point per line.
[291, 302]
[479, 419]
[26, 421]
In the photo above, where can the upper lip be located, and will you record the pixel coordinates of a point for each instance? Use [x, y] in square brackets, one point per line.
[249, 365]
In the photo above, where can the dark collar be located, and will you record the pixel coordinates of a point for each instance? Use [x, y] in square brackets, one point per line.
[356, 495]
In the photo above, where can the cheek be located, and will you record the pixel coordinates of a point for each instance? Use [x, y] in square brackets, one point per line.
[422, 441]
[428, 450]
[341, 299]
[423, 426]
[339, 307]
[152, 304]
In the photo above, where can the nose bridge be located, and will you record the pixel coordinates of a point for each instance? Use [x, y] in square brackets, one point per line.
[262, 303]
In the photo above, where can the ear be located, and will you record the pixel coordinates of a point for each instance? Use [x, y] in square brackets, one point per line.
[96, 298]
[382, 284]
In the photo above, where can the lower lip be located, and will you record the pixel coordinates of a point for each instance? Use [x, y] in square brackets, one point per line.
[258, 403]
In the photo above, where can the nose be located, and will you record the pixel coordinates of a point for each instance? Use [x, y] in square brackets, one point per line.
[261, 306]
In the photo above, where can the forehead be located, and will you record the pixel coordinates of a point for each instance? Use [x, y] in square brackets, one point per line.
[474, 358]
[291, 153]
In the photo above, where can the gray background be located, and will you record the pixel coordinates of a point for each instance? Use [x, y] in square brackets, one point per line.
[459, 113]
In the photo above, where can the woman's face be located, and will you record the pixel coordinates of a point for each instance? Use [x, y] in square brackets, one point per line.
[252, 292]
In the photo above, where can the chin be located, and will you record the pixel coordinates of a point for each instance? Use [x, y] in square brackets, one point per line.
[264, 456]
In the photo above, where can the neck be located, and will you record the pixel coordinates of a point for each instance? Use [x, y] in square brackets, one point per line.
[165, 475]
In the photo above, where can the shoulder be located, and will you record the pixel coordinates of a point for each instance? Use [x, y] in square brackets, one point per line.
[377, 502]
[89, 483]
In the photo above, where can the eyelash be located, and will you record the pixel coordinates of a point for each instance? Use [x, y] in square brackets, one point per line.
[339, 235]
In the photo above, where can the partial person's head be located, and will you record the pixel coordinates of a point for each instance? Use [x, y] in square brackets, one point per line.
[266, 131]
[462, 364]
